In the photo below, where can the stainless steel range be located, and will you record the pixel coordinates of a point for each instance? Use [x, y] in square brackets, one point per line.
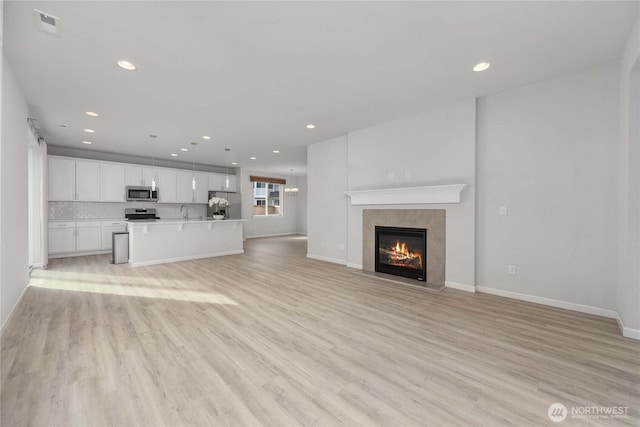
[140, 214]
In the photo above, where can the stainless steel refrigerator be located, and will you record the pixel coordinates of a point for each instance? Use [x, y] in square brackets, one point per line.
[233, 211]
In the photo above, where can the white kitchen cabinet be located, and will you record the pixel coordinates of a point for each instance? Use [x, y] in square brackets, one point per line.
[185, 187]
[218, 182]
[108, 228]
[62, 179]
[88, 236]
[139, 175]
[167, 185]
[201, 195]
[87, 181]
[62, 237]
[112, 182]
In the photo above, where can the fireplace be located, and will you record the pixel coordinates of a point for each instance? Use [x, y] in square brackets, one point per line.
[401, 252]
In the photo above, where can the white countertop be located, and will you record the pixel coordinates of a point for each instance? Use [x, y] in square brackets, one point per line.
[184, 221]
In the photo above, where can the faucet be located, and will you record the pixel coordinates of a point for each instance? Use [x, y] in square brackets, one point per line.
[186, 214]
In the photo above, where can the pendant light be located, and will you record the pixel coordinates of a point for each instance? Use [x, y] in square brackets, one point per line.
[153, 161]
[226, 181]
[193, 166]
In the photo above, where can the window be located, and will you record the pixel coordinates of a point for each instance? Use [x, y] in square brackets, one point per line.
[266, 196]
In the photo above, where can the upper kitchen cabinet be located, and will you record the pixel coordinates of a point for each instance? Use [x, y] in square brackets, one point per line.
[73, 180]
[185, 186]
[167, 185]
[222, 182]
[201, 194]
[62, 179]
[112, 182]
[87, 181]
[139, 175]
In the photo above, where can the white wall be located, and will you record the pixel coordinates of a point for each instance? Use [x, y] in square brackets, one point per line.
[301, 219]
[628, 268]
[546, 151]
[430, 148]
[271, 225]
[327, 203]
[14, 236]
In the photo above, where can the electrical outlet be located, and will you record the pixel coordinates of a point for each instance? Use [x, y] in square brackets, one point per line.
[503, 210]
[511, 269]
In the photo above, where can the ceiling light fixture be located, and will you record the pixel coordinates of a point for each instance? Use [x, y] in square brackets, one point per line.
[90, 131]
[184, 149]
[252, 158]
[291, 191]
[311, 126]
[481, 66]
[276, 151]
[174, 155]
[206, 137]
[62, 126]
[193, 167]
[234, 163]
[92, 113]
[126, 65]
[87, 142]
[153, 162]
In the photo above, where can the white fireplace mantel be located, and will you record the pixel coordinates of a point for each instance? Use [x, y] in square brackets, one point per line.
[408, 195]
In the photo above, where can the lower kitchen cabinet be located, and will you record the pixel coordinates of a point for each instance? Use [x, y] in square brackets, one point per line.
[72, 237]
[108, 228]
[62, 237]
[88, 236]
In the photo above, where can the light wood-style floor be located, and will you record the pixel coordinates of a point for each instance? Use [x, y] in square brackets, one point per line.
[272, 338]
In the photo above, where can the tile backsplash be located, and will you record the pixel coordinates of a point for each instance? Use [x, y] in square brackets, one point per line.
[95, 210]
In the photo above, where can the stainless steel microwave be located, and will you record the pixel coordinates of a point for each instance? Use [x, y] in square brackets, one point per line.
[142, 194]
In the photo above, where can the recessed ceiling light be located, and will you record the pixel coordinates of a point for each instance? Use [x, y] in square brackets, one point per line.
[174, 155]
[276, 151]
[90, 131]
[311, 126]
[87, 142]
[184, 149]
[92, 114]
[227, 149]
[234, 163]
[126, 65]
[206, 137]
[252, 158]
[481, 66]
[153, 136]
[62, 126]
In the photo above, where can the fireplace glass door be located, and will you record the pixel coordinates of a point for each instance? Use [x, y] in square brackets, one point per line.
[401, 252]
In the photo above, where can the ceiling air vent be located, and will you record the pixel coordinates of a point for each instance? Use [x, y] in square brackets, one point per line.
[47, 22]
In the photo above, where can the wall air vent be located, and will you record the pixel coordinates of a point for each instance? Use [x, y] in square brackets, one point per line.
[47, 22]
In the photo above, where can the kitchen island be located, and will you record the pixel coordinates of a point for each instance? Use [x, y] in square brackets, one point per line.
[166, 241]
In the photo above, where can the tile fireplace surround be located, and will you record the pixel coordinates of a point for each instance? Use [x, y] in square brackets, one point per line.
[431, 219]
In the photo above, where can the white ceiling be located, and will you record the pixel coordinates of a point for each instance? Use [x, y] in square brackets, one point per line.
[253, 74]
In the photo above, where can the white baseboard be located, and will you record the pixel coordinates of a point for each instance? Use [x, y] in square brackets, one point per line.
[460, 286]
[72, 254]
[352, 265]
[327, 259]
[270, 235]
[627, 332]
[186, 258]
[13, 310]
[551, 302]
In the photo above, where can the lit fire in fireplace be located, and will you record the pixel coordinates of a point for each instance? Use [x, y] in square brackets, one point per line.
[399, 255]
